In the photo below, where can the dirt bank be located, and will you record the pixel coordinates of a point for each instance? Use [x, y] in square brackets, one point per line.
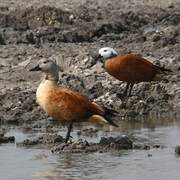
[72, 33]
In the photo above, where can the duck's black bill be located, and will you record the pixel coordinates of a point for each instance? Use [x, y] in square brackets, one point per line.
[36, 68]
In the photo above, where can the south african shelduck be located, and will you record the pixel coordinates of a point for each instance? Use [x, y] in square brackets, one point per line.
[64, 104]
[130, 68]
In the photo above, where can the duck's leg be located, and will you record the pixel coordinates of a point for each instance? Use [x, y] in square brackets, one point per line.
[131, 86]
[69, 131]
[126, 89]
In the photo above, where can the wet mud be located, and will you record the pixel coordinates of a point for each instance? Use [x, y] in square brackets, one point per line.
[4, 139]
[71, 33]
[56, 144]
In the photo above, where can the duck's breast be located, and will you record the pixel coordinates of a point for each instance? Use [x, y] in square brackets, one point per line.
[44, 98]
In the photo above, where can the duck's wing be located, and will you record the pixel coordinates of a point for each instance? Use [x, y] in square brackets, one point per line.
[72, 104]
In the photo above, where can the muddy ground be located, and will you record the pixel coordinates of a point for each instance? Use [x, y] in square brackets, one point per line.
[71, 33]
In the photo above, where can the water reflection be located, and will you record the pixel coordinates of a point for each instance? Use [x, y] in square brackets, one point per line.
[86, 166]
[127, 165]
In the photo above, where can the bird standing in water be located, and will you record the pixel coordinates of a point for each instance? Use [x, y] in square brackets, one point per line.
[130, 68]
[64, 104]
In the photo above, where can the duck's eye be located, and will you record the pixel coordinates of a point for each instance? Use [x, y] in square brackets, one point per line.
[45, 62]
[105, 50]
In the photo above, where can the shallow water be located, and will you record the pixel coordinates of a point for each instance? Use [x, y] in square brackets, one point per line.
[32, 163]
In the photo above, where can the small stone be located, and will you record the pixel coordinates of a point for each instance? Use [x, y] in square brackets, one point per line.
[156, 38]
[79, 133]
[119, 142]
[156, 146]
[2, 41]
[29, 142]
[177, 150]
[58, 139]
[146, 147]
[9, 139]
[137, 146]
[30, 38]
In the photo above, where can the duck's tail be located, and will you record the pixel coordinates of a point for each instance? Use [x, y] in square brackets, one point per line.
[163, 70]
[101, 120]
[105, 118]
[104, 115]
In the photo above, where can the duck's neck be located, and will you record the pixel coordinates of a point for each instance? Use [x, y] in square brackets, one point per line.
[54, 77]
[112, 56]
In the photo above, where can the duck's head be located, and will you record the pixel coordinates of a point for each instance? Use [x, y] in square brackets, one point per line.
[49, 67]
[107, 52]
[46, 66]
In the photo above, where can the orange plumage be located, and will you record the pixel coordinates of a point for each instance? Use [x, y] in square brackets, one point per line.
[64, 104]
[130, 68]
